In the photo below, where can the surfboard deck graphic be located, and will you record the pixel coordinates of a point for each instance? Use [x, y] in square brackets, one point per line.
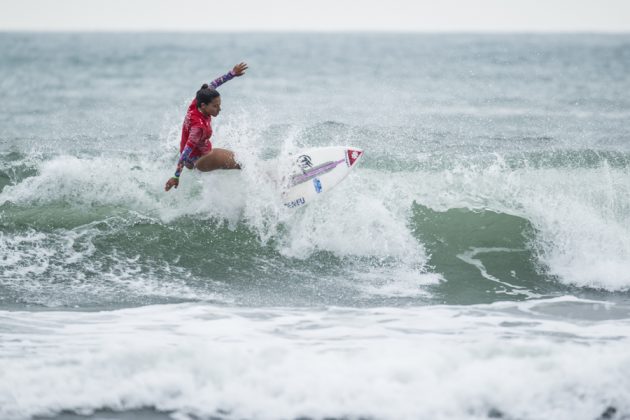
[316, 171]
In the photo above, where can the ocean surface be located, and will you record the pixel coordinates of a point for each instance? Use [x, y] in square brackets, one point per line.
[476, 263]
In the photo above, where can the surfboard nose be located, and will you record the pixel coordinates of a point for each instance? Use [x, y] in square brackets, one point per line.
[353, 155]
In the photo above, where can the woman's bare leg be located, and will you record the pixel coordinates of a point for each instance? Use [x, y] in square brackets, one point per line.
[217, 159]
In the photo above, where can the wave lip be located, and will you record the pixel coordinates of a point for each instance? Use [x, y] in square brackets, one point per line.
[577, 218]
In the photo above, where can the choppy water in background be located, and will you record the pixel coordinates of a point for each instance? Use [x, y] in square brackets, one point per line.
[476, 264]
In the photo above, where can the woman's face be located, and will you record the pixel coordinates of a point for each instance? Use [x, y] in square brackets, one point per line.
[213, 108]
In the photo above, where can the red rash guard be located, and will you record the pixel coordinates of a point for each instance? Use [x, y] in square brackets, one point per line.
[196, 132]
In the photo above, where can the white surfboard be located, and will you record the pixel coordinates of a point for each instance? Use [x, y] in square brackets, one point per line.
[314, 172]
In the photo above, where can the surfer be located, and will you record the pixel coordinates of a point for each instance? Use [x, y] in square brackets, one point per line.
[195, 148]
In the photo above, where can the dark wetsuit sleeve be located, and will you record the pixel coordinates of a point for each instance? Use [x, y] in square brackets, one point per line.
[193, 140]
[219, 81]
[180, 165]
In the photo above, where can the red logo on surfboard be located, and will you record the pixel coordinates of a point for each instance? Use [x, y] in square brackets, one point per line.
[353, 155]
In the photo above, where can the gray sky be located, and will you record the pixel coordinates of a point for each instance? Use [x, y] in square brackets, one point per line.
[319, 15]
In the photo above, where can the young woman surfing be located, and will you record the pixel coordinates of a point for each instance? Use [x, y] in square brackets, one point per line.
[195, 148]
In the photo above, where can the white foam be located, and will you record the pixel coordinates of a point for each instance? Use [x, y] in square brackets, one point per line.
[397, 281]
[433, 362]
[355, 219]
[42, 268]
[585, 226]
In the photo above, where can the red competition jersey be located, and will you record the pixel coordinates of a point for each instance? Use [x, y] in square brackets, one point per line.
[196, 132]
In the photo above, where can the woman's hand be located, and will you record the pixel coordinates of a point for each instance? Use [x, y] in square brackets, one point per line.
[172, 182]
[239, 69]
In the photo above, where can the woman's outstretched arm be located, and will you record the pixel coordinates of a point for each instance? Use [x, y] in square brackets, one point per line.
[237, 71]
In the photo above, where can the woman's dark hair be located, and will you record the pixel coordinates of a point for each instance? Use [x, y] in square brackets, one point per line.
[205, 95]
